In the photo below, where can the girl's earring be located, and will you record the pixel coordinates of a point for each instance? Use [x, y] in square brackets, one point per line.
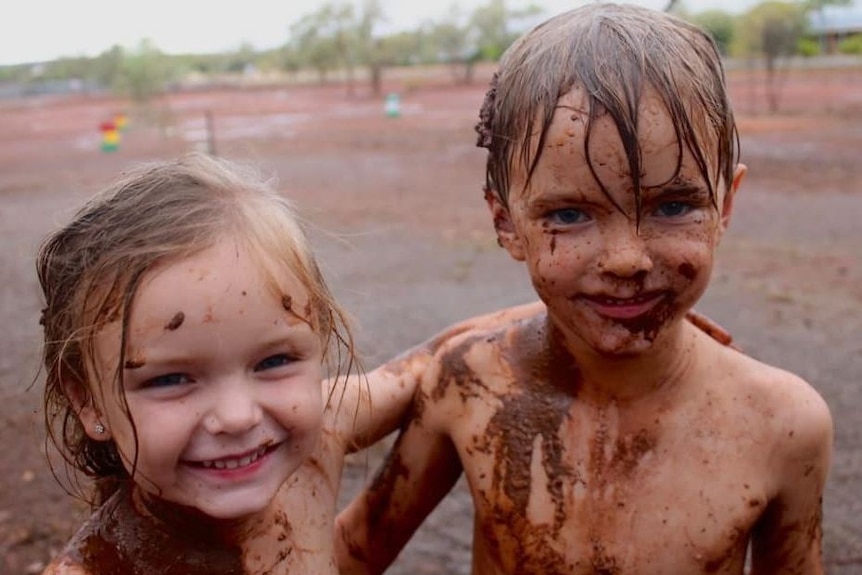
[99, 428]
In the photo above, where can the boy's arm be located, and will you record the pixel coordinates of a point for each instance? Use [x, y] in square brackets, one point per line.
[787, 539]
[418, 472]
[370, 406]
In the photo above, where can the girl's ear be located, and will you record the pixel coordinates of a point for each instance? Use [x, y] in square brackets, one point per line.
[507, 236]
[727, 203]
[85, 408]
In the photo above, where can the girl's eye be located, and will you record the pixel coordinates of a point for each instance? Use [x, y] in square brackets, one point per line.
[168, 380]
[673, 209]
[568, 216]
[274, 361]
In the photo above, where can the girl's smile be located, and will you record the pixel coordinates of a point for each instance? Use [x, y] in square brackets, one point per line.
[226, 403]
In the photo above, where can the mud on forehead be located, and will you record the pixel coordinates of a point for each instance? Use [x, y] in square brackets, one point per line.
[658, 148]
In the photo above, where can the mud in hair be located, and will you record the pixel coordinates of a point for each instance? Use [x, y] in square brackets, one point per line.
[613, 52]
[91, 268]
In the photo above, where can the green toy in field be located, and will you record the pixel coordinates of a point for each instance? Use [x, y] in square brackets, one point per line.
[393, 105]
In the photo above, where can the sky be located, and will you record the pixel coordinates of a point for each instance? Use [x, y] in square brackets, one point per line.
[40, 30]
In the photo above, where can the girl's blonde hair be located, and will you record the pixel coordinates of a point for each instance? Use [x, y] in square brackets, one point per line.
[613, 52]
[154, 214]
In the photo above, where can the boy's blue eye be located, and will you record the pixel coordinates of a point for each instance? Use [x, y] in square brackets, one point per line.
[168, 380]
[673, 209]
[274, 361]
[568, 216]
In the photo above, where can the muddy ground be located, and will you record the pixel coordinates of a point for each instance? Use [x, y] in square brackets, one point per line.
[396, 212]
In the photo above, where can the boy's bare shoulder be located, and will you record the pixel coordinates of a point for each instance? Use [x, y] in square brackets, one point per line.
[478, 363]
[793, 411]
[780, 386]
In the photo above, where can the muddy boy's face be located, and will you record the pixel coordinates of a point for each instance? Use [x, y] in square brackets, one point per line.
[610, 282]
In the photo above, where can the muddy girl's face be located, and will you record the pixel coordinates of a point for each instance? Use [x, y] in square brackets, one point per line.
[223, 383]
[611, 283]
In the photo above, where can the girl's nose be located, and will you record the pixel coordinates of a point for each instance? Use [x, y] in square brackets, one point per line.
[234, 409]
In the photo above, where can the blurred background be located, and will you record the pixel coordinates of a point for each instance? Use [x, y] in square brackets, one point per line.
[143, 49]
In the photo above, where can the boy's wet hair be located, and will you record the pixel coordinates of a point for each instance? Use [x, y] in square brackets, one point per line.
[613, 53]
[157, 214]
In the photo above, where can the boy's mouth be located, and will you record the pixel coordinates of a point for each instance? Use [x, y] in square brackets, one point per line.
[624, 308]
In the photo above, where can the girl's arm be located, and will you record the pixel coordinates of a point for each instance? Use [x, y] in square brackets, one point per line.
[370, 406]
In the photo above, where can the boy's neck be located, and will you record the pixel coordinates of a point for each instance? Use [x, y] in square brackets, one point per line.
[625, 378]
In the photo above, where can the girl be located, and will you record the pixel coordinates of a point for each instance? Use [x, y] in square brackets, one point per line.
[187, 326]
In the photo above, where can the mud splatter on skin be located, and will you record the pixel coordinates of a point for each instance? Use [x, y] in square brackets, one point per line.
[176, 321]
[456, 371]
[134, 363]
[355, 548]
[687, 271]
[407, 361]
[630, 450]
[286, 531]
[601, 562]
[122, 541]
[651, 322]
[547, 382]
[379, 495]
[552, 243]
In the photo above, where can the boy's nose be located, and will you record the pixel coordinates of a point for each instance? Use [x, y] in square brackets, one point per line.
[234, 410]
[625, 254]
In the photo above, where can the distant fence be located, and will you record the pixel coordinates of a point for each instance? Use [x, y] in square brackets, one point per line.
[14, 90]
[806, 85]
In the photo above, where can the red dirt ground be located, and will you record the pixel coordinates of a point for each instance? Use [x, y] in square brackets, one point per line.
[396, 212]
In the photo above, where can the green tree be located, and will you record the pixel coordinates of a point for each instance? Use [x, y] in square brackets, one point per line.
[719, 24]
[771, 30]
[496, 27]
[144, 73]
[450, 41]
[313, 41]
[377, 52]
[107, 67]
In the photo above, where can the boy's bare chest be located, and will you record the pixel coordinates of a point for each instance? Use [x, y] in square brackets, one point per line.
[590, 492]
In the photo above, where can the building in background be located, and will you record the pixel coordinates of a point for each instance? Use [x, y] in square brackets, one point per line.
[832, 24]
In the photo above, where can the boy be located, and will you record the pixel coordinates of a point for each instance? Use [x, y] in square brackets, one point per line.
[603, 434]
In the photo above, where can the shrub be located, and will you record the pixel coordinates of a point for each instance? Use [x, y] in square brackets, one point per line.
[851, 45]
[808, 47]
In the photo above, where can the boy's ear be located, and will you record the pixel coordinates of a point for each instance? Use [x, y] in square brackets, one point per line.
[727, 204]
[507, 237]
[85, 408]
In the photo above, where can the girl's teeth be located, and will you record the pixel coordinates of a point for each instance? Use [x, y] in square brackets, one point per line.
[234, 463]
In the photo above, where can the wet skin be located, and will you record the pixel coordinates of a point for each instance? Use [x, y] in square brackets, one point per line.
[139, 531]
[237, 444]
[606, 435]
[564, 482]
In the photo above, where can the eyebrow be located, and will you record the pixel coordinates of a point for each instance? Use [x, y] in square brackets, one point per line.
[678, 187]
